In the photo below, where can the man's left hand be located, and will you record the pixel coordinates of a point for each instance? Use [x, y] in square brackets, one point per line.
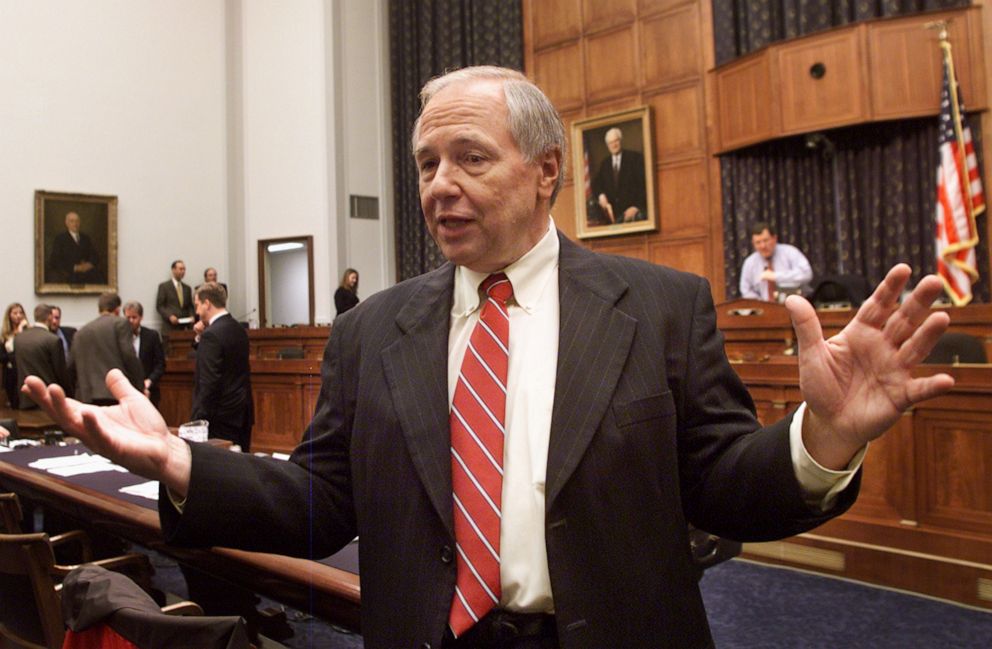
[858, 383]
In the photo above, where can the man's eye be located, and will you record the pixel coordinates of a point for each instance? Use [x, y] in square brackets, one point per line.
[427, 165]
[474, 158]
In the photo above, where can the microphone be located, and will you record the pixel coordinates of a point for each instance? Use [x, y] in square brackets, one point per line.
[255, 310]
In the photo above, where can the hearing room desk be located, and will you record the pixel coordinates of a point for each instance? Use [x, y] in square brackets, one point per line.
[328, 588]
[923, 521]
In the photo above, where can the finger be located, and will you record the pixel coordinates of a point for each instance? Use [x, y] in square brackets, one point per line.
[95, 436]
[928, 387]
[921, 343]
[118, 384]
[914, 310]
[67, 412]
[885, 298]
[804, 321]
[36, 390]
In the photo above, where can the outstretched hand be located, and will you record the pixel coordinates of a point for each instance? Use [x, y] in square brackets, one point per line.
[858, 383]
[132, 433]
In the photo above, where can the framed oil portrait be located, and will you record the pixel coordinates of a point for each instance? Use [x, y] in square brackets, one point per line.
[614, 174]
[75, 243]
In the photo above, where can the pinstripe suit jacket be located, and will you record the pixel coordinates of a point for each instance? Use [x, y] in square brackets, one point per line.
[650, 429]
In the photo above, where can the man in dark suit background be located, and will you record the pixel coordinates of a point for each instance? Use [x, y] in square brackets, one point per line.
[40, 353]
[610, 448]
[222, 378]
[148, 345]
[175, 300]
[619, 185]
[64, 334]
[74, 258]
[99, 346]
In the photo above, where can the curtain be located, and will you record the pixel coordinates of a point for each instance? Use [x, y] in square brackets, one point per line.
[742, 26]
[428, 37]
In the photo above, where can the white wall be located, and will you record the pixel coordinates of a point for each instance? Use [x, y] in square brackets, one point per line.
[114, 97]
[215, 122]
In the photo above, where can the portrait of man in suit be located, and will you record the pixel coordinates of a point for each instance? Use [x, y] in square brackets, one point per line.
[76, 243]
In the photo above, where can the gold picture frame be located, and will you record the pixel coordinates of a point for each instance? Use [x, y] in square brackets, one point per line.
[614, 198]
[75, 243]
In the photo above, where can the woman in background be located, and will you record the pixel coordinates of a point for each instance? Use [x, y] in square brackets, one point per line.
[14, 322]
[346, 297]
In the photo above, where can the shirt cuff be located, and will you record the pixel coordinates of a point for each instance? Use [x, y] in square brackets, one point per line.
[177, 502]
[820, 485]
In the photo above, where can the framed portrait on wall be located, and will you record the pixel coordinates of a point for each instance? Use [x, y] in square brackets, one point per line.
[614, 174]
[75, 243]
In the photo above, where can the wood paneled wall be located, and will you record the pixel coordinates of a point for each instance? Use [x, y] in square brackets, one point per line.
[594, 57]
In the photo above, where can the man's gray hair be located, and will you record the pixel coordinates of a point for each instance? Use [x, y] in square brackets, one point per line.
[614, 131]
[136, 307]
[533, 121]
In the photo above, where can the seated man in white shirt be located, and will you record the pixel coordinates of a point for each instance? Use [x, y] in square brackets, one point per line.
[774, 270]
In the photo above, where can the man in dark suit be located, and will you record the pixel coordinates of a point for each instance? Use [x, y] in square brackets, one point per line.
[39, 353]
[99, 346]
[74, 258]
[222, 378]
[148, 345]
[174, 301]
[64, 334]
[619, 185]
[604, 451]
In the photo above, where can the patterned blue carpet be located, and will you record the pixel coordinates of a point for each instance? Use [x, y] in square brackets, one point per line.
[753, 606]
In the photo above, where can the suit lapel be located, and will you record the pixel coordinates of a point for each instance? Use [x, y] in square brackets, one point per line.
[594, 340]
[416, 368]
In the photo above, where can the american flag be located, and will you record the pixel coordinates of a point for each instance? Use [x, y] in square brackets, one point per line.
[959, 193]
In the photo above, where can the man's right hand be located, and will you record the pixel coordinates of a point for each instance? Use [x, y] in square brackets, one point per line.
[174, 319]
[132, 433]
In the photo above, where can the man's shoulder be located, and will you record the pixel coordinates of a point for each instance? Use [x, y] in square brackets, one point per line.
[35, 335]
[150, 334]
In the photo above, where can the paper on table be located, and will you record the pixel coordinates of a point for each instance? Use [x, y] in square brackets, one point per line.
[186, 320]
[70, 465]
[147, 490]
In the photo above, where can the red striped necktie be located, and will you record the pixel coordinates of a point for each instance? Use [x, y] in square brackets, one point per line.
[478, 413]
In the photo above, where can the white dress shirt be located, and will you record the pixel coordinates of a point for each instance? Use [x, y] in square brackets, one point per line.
[533, 363]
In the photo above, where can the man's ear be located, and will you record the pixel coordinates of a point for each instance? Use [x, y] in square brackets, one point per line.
[551, 169]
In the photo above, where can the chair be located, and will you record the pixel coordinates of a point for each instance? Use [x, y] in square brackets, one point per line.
[11, 516]
[29, 604]
[953, 347]
[290, 352]
[106, 609]
[835, 290]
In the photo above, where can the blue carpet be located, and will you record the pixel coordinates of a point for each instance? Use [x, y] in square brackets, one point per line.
[753, 606]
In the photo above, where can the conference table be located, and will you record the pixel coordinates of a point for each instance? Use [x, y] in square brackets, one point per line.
[328, 588]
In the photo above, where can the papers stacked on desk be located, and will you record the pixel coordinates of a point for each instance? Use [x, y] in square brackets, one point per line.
[70, 465]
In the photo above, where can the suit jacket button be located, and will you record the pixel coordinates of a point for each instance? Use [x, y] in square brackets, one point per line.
[446, 554]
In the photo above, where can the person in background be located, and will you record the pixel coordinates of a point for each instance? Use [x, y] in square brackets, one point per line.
[210, 275]
[40, 353]
[222, 377]
[774, 270]
[148, 346]
[64, 334]
[101, 345]
[346, 297]
[14, 322]
[175, 300]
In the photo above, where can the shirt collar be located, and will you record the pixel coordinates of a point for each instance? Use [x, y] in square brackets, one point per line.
[41, 325]
[528, 275]
[220, 313]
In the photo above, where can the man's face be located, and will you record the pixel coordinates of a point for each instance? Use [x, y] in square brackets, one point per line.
[764, 243]
[55, 320]
[72, 222]
[179, 271]
[202, 308]
[210, 275]
[614, 143]
[484, 204]
[134, 318]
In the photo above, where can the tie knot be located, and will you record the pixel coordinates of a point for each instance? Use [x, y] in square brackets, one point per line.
[498, 287]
